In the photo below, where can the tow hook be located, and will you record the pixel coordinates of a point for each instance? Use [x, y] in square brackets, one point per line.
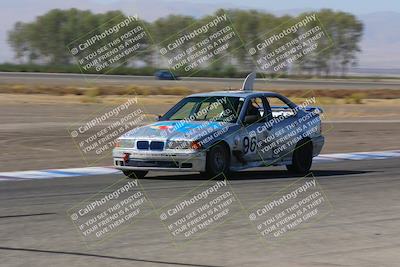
[126, 157]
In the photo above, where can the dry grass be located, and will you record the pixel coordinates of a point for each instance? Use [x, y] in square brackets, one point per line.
[355, 98]
[93, 91]
[325, 96]
[344, 93]
[335, 109]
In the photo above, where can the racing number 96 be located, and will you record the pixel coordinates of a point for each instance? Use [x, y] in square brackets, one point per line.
[249, 144]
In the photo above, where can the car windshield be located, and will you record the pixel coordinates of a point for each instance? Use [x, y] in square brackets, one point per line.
[215, 108]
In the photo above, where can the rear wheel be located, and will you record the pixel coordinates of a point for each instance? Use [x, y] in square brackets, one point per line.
[302, 157]
[217, 161]
[135, 174]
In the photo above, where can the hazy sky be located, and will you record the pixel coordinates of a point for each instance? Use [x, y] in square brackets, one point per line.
[12, 11]
[354, 6]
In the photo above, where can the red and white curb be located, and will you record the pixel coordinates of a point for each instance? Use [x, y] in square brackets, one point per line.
[92, 171]
[57, 173]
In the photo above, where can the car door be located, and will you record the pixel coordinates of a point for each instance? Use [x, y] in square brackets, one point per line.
[251, 137]
[283, 126]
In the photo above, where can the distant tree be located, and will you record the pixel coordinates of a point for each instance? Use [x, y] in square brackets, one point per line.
[344, 34]
[170, 26]
[350, 33]
[247, 25]
[47, 38]
[18, 39]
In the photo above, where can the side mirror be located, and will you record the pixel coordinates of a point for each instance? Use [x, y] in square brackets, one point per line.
[249, 119]
[158, 117]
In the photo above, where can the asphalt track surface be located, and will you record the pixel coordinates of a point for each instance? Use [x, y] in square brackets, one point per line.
[362, 228]
[71, 79]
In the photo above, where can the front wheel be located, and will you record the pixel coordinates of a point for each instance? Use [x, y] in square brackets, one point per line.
[302, 157]
[217, 161]
[135, 174]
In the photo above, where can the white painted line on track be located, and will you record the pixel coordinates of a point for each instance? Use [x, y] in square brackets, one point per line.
[58, 173]
[357, 156]
[92, 171]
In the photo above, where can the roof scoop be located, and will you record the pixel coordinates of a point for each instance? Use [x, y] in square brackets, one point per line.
[249, 81]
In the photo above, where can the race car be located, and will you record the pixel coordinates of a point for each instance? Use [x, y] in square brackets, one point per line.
[224, 131]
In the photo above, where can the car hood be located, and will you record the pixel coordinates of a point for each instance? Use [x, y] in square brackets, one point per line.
[176, 130]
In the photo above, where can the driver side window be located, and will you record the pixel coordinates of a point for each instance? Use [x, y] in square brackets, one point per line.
[255, 111]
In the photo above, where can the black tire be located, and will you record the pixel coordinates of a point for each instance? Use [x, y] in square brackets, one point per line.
[217, 161]
[134, 174]
[302, 157]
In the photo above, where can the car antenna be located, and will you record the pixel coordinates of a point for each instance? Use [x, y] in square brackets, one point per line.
[249, 81]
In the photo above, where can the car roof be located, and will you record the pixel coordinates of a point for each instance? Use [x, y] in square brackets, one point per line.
[237, 93]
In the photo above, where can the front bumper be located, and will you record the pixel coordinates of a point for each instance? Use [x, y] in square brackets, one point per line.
[174, 160]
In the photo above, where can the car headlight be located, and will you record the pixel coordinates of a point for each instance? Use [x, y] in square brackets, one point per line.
[183, 145]
[179, 144]
[125, 143]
